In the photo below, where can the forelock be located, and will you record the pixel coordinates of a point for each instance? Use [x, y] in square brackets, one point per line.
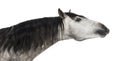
[73, 15]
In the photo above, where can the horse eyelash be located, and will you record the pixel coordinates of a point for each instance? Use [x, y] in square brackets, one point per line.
[78, 19]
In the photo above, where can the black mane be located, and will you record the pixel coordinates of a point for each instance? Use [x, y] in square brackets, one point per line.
[30, 34]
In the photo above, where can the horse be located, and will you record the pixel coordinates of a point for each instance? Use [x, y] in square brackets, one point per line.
[25, 40]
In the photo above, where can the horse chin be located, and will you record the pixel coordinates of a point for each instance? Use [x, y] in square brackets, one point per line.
[81, 39]
[102, 36]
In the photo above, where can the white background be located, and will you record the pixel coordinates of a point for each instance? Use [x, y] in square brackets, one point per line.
[99, 49]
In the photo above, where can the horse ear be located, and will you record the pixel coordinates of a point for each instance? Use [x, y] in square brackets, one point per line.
[70, 11]
[61, 14]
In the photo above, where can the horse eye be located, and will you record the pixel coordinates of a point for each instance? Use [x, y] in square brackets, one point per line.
[78, 19]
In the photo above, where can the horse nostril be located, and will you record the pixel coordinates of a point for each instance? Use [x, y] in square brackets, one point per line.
[104, 28]
[101, 32]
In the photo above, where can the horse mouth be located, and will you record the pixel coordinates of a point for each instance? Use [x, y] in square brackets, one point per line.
[102, 33]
